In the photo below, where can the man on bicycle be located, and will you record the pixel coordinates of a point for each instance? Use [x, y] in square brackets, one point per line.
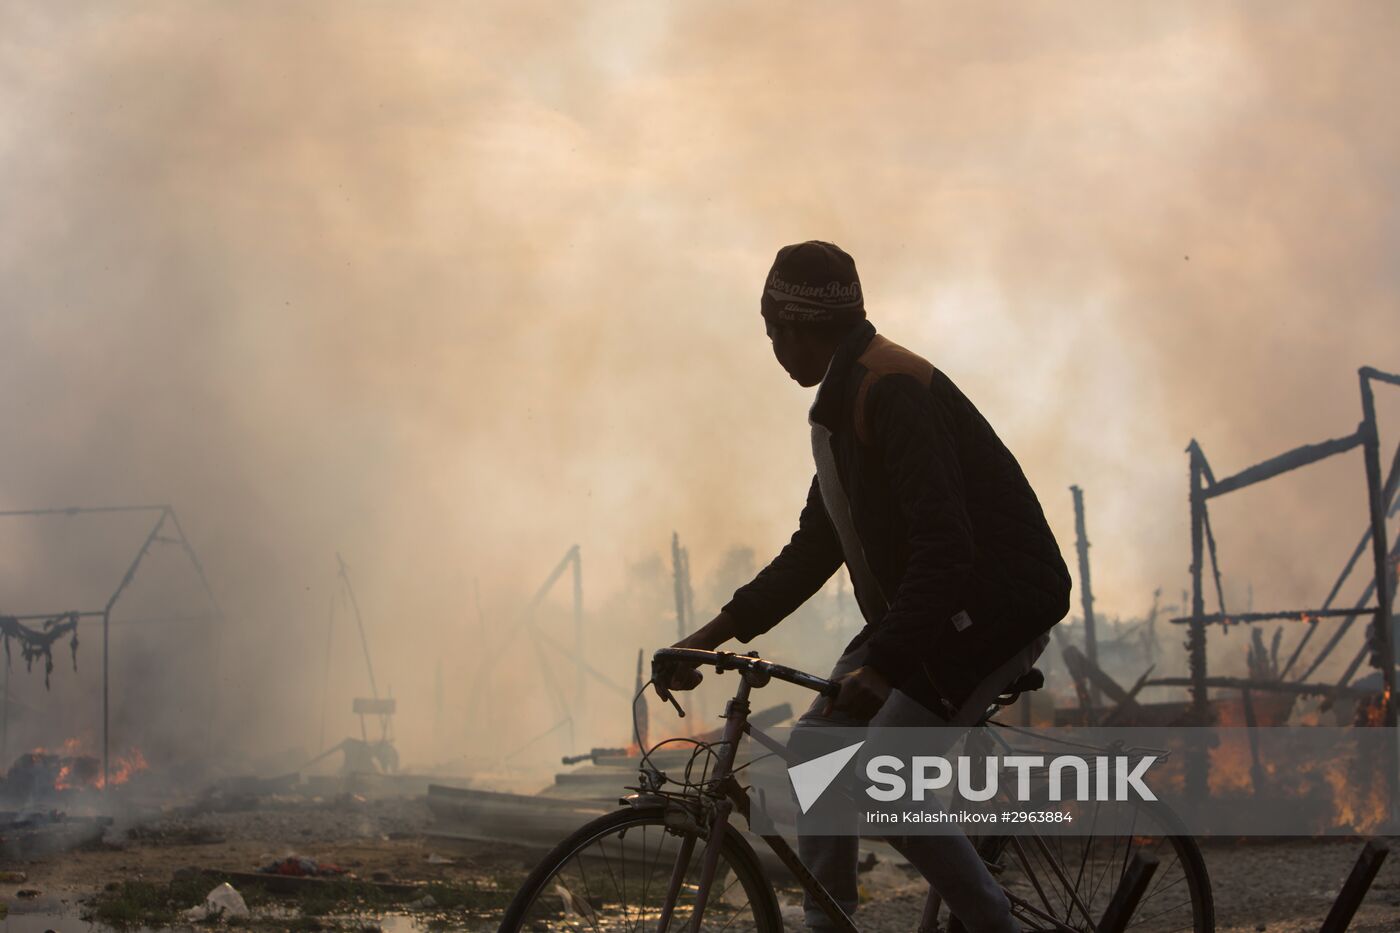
[954, 566]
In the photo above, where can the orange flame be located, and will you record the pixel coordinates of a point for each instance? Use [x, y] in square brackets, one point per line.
[76, 766]
[123, 767]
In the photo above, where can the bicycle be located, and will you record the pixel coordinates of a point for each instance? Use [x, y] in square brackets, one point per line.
[583, 883]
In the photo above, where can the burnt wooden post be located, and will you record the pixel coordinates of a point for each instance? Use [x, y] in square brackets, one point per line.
[1384, 650]
[1197, 761]
[1356, 886]
[1383, 653]
[1086, 590]
[1256, 767]
[1129, 892]
[1094, 677]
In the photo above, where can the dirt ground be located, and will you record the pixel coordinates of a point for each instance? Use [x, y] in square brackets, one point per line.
[1284, 887]
[380, 840]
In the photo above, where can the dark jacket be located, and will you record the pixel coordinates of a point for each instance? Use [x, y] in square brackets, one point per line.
[967, 568]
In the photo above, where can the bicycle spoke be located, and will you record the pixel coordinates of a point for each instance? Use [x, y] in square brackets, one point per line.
[588, 891]
[574, 901]
[622, 857]
[735, 912]
[607, 863]
[646, 884]
[1030, 874]
[1160, 884]
[1163, 913]
[1071, 890]
[1099, 880]
[1088, 844]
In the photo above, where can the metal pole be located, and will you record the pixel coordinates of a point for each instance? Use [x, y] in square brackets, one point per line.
[5, 722]
[106, 710]
[578, 625]
[106, 642]
[326, 677]
[195, 562]
[359, 623]
[84, 510]
[482, 647]
[1086, 590]
[689, 590]
[216, 651]
[1197, 760]
[678, 585]
[131, 571]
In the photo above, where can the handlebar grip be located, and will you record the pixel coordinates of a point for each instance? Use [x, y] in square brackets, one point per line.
[664, 659]
[660, 680]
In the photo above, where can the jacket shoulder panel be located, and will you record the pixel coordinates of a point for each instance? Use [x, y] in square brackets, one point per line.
[885, 358]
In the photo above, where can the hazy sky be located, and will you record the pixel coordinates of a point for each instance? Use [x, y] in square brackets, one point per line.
[452, 287]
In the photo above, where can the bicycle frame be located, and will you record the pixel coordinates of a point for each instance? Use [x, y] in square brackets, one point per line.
[730, 798]
[734, 799]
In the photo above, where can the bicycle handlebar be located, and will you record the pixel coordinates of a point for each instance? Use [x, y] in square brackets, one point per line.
[729, 661]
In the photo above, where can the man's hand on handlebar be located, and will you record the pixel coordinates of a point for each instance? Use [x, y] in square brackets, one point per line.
[707, 638]
[863, 691]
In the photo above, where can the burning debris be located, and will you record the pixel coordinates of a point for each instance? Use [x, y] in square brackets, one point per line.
[44, 777]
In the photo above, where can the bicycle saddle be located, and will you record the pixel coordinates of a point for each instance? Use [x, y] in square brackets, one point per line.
[1032, 679]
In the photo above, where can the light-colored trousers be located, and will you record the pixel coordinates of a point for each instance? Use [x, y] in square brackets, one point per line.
[947, 861]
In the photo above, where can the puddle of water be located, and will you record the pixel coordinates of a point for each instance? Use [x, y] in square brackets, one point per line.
[59, 916]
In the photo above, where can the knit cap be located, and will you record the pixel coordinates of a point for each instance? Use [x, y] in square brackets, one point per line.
[813, 281]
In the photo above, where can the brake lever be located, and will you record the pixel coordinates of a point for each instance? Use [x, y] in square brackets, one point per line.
[669, 697]
[658, 672]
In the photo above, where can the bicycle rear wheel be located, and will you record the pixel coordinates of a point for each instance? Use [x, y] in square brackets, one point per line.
[613, 874]
[1058, 882]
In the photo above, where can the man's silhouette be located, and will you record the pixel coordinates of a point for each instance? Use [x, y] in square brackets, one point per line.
[954, 567]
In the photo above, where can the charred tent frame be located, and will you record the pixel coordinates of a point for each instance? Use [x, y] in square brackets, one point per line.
[165, 518]
[1379, 644]
[568, 705]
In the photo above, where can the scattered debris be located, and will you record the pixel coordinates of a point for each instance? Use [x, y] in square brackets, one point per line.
[35, 835]
[222, 903]
[299, 866]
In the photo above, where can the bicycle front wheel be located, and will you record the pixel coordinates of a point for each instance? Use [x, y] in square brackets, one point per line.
[615, 872]
[1066, 882]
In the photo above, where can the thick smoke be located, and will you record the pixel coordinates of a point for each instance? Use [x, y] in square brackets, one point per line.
[451, 289]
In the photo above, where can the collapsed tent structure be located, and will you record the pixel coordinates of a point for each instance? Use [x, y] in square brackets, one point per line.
[38, 642]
